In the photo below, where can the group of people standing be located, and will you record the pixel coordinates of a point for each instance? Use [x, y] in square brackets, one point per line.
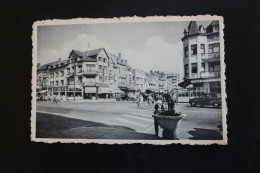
[159, 101]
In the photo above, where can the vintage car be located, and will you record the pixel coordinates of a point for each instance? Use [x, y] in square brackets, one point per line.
[207, 99]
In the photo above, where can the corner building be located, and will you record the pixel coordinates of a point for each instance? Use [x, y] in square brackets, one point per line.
[201, 57]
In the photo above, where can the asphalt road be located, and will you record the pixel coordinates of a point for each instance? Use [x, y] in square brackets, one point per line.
[199, 123]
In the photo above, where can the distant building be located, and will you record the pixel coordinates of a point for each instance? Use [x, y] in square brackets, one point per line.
[174, 79]
[139, 79]
[202, 56]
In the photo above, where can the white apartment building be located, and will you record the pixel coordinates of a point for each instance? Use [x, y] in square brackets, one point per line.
[174, 79]
[201, 57]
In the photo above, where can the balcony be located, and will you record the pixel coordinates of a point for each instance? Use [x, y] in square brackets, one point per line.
[210, 74]
[90, 72]
[210, 57]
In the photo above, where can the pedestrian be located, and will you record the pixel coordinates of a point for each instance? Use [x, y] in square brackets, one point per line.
[140, 101]
[156, 124]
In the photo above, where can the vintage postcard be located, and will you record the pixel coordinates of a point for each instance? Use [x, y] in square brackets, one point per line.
[153, 80]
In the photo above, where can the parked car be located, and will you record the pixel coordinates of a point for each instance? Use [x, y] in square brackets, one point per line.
[207, 99]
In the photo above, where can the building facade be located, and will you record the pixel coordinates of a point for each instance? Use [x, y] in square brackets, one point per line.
[96, 73]
[201, 57]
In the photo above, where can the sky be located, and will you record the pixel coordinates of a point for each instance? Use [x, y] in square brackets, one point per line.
[145, 45]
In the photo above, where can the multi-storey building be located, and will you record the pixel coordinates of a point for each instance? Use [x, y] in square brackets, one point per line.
[90, 73]
[139, 79]
[153, 81]
[173, 79]
[202, 56]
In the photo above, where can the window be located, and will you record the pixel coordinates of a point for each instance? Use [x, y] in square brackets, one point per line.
[211, 66]
[104, 59]
[194, 68]
[216, 28]
[202, 48]
[100, 78]
[100, 58]
[186, 51]
[203, 66]
[68, 70]
[100, 67]
[213, 48]
[62, 82]
[186, 69]
[216, 47]
[214, 66]
[194, 49]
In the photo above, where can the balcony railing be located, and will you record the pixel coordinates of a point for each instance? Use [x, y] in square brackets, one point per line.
[209, 74]
[210, 56]
[90, 71]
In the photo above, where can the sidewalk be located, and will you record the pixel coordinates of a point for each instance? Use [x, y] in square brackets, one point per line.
[52, 126]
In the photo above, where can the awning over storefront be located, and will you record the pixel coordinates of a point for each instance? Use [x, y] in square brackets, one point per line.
[102, 90]
[90, 90]
[185, 83]
[43, 91]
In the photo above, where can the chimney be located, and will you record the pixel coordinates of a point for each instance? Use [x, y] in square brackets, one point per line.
[59, 59]
[119, 55]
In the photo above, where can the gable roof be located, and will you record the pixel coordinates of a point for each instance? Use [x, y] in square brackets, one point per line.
[213, 23]
[87, 56]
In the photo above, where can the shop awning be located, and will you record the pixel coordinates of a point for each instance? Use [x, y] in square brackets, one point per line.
[90, 90]
[185, 83]
[102, 90]
[43, 91]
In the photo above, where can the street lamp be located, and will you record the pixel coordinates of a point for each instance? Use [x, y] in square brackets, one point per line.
[189, 87]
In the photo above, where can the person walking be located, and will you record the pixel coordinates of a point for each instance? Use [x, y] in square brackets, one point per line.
[140, 101]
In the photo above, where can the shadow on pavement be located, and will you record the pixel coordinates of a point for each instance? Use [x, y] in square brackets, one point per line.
[205, 134]
[53, 126]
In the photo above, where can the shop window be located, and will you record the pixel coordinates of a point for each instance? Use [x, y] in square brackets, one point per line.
[194, 49]
[202, 48]
[194, 68]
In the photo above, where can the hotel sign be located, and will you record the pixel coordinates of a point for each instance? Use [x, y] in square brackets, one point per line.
[205, 80]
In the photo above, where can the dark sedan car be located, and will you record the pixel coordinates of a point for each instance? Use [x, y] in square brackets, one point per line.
[206, 99]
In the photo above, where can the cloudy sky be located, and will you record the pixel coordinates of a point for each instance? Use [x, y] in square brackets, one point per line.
[146, 45]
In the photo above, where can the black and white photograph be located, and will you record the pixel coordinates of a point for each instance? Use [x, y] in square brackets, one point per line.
[152, 80]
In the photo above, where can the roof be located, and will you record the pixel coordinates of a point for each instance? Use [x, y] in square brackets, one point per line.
[45, 66]
[193, 28]
[213, 23]
[113, 57]
[88, 56]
